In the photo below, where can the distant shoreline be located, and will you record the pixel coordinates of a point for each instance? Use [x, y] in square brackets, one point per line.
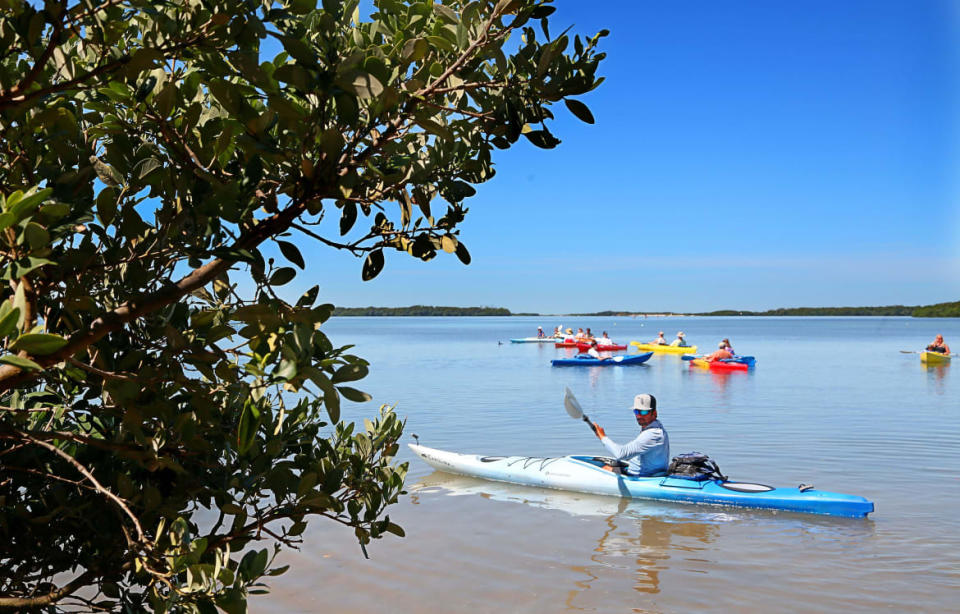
[939, 310]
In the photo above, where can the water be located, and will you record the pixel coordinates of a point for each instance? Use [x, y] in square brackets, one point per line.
[832, 402]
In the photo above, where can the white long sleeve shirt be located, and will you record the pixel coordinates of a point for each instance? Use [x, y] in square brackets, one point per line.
[648, 454]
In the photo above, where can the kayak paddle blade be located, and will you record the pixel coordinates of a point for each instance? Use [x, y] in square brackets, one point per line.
[688, 357]
[572, 406]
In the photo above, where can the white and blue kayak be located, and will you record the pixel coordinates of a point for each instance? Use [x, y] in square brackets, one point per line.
[586, 474]
[536, 340]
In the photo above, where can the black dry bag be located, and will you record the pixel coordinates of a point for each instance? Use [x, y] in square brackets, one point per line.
[694, 466]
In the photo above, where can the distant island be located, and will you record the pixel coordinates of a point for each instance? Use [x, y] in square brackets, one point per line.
[939, 310]
[425, 310]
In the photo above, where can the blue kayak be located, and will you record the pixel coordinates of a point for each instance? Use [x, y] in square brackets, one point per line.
[583, 360]
[586, 474]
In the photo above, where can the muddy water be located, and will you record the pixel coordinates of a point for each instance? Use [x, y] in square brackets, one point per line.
[832, 402]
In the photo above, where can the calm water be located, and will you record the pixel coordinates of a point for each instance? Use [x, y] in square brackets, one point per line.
[832, 402]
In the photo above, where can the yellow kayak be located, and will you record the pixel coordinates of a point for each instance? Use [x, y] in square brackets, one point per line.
[934, 358]
[667, 349]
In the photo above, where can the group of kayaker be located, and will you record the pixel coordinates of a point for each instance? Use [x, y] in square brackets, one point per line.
[679, 342]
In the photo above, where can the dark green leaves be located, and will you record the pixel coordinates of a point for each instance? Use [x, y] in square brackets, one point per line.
[372, 265]
[291, 253]
[38, 344]
[282, 276]
[348, 216]
[542, 139]
[579, 109]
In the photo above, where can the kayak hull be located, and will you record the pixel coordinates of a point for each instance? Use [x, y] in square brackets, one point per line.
[934, 358]
[616, 361]
[664, 349]
[717, 365]
[535, 340]
[586, 474]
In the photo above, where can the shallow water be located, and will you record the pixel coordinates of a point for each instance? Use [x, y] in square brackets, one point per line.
[831, 402]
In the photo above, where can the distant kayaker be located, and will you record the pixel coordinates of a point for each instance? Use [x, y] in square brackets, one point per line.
[588, 335]
[579, 334]
[605, 340]
[540, 334]
[939, 346]
[726, 344]
[649, 453]
[660, 340]
[680, 341]
[722, 353]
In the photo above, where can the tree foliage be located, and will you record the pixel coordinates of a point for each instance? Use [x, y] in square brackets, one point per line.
[159, 417]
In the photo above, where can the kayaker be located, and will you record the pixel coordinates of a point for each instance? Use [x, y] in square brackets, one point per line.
[605, 340]
[594, 352]
[939, 346]
[660, 340]
[579, 334]
[722, 353]
[540, 334]
[588, 335]
[680, 341]
[726, 344]
[649, 453]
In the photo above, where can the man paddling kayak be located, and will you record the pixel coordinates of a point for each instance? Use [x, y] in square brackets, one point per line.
[660, 340]
[723, 352]
[594, 352]
[649, 453]
[939, 346]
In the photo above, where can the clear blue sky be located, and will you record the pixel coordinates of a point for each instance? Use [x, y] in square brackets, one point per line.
[746, 155]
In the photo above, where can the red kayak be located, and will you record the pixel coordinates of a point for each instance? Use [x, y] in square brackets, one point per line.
[565, 344]
[718, 365]
[602, 348]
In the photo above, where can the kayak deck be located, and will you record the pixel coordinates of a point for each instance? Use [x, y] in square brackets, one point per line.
[586, 474]
[665, 349]
[583, 360]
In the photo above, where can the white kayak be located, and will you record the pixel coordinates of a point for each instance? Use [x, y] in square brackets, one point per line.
[536, 340]
[586, 474]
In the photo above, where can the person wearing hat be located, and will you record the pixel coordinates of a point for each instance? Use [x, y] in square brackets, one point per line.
[540, 334]
[649, 453]
[680, 341]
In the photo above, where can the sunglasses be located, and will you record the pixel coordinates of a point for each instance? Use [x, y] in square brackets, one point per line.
[641, 412]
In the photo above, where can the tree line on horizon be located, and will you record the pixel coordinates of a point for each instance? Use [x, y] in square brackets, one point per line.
[938, 310]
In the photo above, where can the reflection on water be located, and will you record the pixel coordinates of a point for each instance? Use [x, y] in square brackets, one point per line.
[937, 376]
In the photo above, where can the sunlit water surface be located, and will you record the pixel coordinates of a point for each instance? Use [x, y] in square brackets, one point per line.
[832, 402]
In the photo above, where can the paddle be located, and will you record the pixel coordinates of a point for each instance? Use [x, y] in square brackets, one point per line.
[689, 357]
[914, 352]
[573, 408]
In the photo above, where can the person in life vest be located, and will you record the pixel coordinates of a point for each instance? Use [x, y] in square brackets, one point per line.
[649, 453]
[939, 346]
[540, 334]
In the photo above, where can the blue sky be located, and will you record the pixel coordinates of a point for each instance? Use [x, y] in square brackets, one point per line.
[746, 155]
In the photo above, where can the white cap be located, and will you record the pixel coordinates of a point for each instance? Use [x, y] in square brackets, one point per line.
[644, 401]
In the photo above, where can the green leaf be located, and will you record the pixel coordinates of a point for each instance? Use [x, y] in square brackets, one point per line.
[347, 218]
[26, 205]
[542, 139]
[38, 344]
[291, 253]
[579, 109]
[372, 265]
[282, 276]
[350, 373]
[462, 253]
[36, 236]
[8, 322]
[7, 220]
[24, 363]
[363, 84]
[352, 394]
